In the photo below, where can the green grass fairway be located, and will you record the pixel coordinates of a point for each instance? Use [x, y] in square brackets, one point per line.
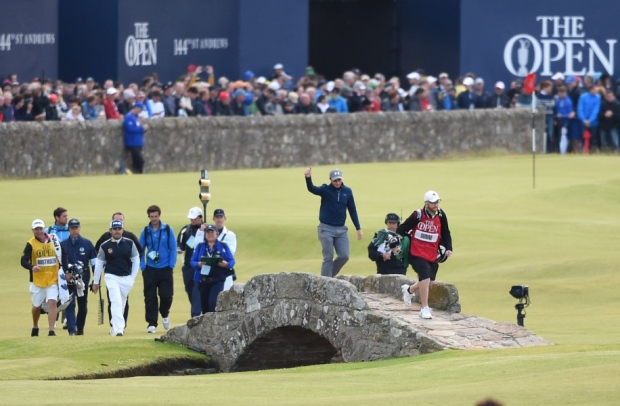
[560, 238]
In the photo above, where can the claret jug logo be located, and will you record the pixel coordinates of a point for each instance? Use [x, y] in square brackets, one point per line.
[140, 50]
[561, 47]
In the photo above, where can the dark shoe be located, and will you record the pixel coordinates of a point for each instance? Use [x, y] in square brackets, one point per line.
[51, 333]
[80, 332]
[34, 332]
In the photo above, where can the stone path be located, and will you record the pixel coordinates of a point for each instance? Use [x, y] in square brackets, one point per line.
[454, 330]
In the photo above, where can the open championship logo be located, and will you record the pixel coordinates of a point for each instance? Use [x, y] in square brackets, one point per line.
[140, 50]
[562, 47]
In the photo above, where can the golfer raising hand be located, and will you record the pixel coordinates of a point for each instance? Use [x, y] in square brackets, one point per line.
[336, 198]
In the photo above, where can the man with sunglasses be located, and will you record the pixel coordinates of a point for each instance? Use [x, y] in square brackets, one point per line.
[121, 259]
[427, 228]
[336, 199]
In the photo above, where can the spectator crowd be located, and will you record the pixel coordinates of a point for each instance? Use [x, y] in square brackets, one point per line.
[582, 113]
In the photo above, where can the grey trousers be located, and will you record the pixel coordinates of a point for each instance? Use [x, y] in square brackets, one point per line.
[333, 238]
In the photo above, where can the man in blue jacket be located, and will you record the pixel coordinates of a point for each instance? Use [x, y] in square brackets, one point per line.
[587, 111]
[336, 199]
[80, 254]
[157, 262]
[134, 136]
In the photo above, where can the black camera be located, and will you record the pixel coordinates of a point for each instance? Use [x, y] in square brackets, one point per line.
[393, 242]
[156, 259]
[76, 270]
[519, 291]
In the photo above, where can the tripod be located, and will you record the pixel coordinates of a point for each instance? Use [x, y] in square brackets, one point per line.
[521, 309]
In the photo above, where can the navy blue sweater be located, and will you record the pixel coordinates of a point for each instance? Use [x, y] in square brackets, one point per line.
[334, 204]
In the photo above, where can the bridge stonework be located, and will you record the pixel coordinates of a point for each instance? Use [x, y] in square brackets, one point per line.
[295, 319]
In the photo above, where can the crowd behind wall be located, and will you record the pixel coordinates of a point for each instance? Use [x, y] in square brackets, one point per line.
[582, 112]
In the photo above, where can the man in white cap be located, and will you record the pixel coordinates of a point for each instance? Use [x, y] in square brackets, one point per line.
[186, 242]
[336, 199]
[413, 78]
[467, 99]
[499, 99]
[109, 104]
[40, 257]
[428, 229]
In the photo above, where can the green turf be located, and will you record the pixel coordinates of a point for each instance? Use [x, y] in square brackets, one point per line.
[560, 238]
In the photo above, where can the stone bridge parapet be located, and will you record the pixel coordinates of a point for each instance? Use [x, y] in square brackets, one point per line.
[294, 319]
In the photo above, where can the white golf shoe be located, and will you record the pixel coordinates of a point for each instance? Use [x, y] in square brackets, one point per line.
[406, 295]
[425, 313]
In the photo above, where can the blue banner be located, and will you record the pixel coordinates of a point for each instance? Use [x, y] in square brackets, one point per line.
[501, 41]
[166, 36]
[29, 39]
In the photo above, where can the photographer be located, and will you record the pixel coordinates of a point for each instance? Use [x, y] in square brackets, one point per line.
[213, 262]
[80, 252]
[385, 248]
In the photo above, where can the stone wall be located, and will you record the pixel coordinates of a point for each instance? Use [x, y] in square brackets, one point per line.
[173, 144]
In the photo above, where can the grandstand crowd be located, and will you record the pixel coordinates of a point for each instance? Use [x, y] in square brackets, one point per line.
[582, 113]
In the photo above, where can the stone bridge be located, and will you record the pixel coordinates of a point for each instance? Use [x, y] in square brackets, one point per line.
[295, 319]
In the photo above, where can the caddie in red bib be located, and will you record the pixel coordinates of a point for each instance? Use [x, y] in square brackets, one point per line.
[428, 229]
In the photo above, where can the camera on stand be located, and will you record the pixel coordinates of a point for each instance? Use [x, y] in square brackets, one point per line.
[522, 293]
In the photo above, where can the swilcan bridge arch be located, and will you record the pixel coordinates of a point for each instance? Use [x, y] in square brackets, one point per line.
[295, 319]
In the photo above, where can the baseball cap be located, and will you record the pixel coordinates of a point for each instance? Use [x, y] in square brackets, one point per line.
[74, 223]
[218, 212]
[38, 223]
[278, 66]
[89, 79]
[111, 90]
[500, 85]
[468, 81]
[138, 105]
[167, 86]
[191, 67]
[335, 174]
[443, 75]
[261, 80]
[248, 75]
[392, 217]
[210, 227]
[413, 75]
[431, 196]
[194, 213]
[479, 80]
[116, 224]
[569, 80]
[558, 76]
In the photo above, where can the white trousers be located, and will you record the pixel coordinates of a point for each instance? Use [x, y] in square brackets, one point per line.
[118, 289]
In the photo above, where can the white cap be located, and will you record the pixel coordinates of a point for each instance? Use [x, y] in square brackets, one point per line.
[278, 66]
[261, 80]
[431, 79]
[111, 90]
[558, 76]
[443, 75]
[500, 85]
[38, 223]
[194, 212]
[128, 94]
[432, 196]
[479, 80]
[330, 86]
[275, 85]
[468, 81]
[413, 75]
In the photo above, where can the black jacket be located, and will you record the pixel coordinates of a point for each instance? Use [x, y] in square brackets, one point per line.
[614, 120]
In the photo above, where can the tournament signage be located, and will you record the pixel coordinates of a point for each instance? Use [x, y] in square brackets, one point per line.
[167, 38]
[29, 39]
[543, 37]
